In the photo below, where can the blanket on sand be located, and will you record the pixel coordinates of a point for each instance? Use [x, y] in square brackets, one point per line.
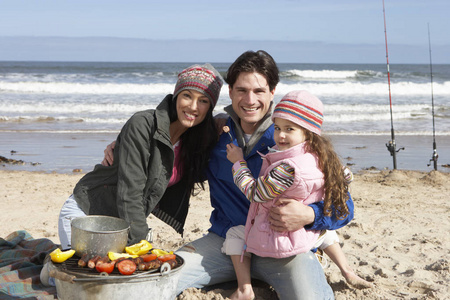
[21, 260]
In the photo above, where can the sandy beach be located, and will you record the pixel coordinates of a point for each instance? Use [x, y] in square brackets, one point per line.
[398, 239]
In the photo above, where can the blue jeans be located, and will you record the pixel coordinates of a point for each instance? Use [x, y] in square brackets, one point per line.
[296, 277]
[69, 211]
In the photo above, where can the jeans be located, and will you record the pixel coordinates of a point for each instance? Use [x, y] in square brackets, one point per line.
[69, 211]
[296, 277]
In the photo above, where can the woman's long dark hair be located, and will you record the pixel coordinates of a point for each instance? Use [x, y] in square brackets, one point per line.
[196, 145]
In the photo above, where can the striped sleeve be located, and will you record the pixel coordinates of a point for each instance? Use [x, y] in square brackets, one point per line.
[263, 188]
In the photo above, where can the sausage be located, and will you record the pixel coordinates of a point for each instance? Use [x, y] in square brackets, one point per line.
[102, 260]
[82, 262]
[93, 261]
[149, 265]
[138, 260]
[172, 263]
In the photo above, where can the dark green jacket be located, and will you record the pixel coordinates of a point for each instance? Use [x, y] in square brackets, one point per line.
[136, 184]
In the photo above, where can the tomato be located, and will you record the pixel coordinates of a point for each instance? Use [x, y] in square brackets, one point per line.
[126, 267]
[148, 257]
[107, 267]
[166, 257]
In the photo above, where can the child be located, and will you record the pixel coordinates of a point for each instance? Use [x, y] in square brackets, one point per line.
[303, 166]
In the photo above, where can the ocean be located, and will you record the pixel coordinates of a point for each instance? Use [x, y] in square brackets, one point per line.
[59, 116]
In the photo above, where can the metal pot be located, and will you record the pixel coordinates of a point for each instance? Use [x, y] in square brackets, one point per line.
[97, 235]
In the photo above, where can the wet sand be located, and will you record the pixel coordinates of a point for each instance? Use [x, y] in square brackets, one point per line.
[63, 152]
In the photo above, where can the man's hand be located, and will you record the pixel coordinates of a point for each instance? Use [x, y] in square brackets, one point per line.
[290, 215]
[234, 153]
[109, 154]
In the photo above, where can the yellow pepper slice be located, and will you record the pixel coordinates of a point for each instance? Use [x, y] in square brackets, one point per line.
[140, 248]
[59, 256]
[160, 252]
[115, 255]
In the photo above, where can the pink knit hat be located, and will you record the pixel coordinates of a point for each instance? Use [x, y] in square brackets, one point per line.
[302, 108]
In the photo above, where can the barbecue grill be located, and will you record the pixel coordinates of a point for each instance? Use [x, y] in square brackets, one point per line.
[74, 282]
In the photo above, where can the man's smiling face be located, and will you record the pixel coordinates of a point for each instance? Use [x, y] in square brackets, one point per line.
[250, 98]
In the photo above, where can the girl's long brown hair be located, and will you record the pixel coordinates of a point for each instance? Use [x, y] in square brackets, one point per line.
[336, 188]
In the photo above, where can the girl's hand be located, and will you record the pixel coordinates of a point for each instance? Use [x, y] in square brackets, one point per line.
[220, 120]
[234, 153]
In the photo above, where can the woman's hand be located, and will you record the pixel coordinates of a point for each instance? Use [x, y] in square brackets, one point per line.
[290, 215]
[109, 154]
[234, 153]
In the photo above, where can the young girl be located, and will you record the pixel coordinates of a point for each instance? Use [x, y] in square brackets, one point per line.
[303, 166]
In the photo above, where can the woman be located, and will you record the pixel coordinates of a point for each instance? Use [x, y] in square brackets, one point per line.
[159, 156]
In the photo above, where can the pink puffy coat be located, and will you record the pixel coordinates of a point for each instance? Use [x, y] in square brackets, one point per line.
[307, 188]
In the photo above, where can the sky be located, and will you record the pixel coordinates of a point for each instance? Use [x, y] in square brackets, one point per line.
[315, 27]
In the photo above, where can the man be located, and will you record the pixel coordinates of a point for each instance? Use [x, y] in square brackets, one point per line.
[252, 80]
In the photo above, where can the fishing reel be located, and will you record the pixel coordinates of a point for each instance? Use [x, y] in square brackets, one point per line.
[434, 158]
[391, 148]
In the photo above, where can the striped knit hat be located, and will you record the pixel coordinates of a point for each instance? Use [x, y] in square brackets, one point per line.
[202, 78]
[302, 108]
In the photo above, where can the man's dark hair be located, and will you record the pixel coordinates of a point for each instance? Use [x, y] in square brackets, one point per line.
[260, 62]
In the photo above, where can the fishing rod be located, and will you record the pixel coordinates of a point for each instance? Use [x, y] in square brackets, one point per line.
[391, 144]
[435, 156]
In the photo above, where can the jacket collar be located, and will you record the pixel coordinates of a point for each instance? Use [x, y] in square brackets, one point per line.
[162, 116]
[263, 125]
[277, 155]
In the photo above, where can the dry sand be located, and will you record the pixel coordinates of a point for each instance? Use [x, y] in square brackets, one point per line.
[398, 239]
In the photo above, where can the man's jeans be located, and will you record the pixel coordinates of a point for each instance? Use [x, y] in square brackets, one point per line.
[296, 277]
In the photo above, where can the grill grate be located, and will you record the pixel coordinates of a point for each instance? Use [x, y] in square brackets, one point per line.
[71, 267]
